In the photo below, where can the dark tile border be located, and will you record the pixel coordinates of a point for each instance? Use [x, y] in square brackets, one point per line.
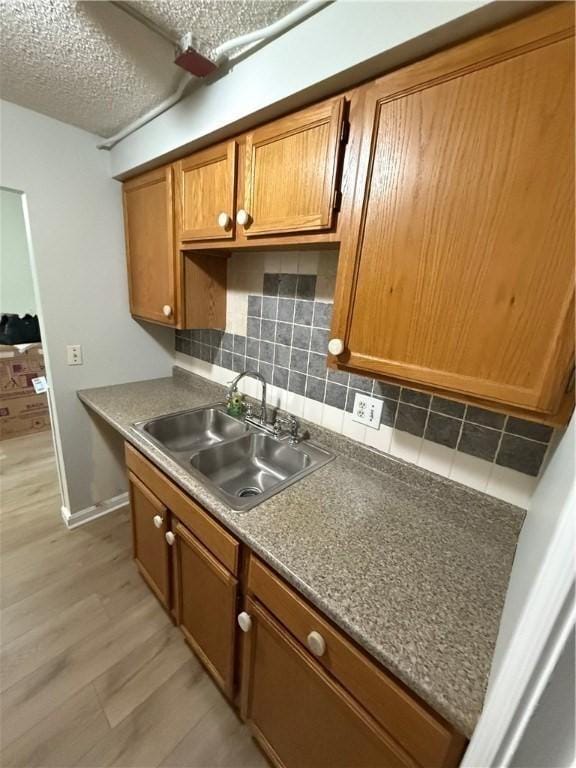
[286, 341]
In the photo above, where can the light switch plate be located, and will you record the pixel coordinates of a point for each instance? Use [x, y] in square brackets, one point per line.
[367, 410]
[74, 354]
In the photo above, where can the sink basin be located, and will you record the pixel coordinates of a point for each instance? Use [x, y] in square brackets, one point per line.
[193, 430]
[240, 463]
[250, 465]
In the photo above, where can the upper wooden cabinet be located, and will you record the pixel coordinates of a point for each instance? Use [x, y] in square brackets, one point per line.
[291, 171]
[206, 194]
[167, 287]
[460, 271]
[153, 266]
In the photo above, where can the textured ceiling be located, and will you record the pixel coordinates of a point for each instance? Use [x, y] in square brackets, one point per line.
[213, 21]
[92, 65]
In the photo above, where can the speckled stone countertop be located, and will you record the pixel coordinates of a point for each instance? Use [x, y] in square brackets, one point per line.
[412, 566]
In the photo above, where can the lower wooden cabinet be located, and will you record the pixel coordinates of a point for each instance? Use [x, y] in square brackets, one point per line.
[206, 608]
[149, 527]
[299, 714]
[311, 697]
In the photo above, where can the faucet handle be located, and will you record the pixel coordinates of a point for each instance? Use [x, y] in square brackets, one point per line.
[292, 424]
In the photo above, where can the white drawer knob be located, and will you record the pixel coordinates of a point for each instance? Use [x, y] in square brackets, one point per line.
[224, 220]
[244, 621]
[335, 346]
[242, 217]
[170, 538]
[167, 310]
[316, 643]
[158, 521]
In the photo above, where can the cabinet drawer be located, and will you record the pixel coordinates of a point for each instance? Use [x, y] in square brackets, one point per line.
[217, 540]
[430, 740]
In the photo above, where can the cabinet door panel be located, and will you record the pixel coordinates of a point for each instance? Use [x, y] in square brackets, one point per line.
[207, 595]
[152, 262]
[302, 717]
[206, 187]
[150, 548]
[291, 168]
[465, 260]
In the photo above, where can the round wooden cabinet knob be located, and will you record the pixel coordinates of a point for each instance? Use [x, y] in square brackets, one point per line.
[242, 217]
[335, 346]
[157, 519]
[224, 220]
[170, 538]
[316, 643]
[167, 310]
[244, 621]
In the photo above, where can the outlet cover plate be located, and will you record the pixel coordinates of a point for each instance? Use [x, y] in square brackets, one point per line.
[74, 354]
[367, 410]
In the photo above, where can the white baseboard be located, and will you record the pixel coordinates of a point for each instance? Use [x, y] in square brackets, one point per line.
[75, 519]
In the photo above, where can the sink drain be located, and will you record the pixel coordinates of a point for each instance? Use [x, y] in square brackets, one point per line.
[250, 491]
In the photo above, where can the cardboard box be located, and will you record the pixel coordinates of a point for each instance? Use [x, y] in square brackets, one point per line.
[22, 411]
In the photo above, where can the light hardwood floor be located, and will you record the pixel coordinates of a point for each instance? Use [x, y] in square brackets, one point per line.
[93, 673]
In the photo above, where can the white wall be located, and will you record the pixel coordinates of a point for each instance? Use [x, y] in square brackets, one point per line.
[553, 497]
[549, 737]
[75, 217]
[16, 287]
[538, 619]
[340, 46]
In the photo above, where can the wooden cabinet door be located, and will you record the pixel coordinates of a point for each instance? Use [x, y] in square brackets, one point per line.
[206, 188]
[301, 717]
[461, 274]
[207, 596]
[153, 278]
[149, 526]
[291, 171]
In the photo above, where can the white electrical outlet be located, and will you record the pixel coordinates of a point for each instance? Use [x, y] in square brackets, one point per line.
[367, 410]
[74, 354]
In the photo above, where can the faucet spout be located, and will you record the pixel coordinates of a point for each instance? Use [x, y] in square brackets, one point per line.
[258, 376]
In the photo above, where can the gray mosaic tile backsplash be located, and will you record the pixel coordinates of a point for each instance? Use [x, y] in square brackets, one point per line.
[286, 340]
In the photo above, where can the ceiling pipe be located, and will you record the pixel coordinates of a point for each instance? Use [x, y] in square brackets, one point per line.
[158, 110]
[143, 19]
[259, 35]
[251, 38]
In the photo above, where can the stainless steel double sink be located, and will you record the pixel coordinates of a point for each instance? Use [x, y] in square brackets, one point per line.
[238, 462]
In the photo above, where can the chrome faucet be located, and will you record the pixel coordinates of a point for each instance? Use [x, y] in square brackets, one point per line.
[258, 376]
[261, 422]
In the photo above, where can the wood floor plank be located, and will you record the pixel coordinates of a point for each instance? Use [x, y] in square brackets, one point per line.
[26, 572]
[124, 686]
[27, 702]
[218, 740]
[62, 737]
[64, 668]
[37, 521]
[113, 579]
[39, 645]
[150, 733]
